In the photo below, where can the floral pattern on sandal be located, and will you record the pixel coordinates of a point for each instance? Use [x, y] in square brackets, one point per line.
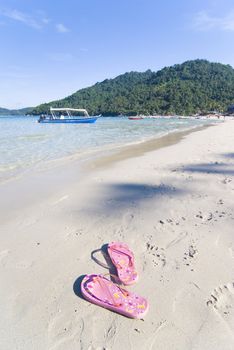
[101, 291]
[123, 259]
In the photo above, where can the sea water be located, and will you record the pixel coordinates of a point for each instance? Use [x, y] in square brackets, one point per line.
[24, 143]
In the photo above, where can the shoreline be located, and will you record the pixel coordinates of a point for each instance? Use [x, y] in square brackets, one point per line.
[173, 205]
[49, 179]
[92, 153]
[139, 149]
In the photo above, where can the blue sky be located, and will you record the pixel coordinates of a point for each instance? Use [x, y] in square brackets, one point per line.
[50, 49]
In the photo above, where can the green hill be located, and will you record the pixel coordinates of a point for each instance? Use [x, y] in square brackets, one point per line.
[191, 87]
[22, 111]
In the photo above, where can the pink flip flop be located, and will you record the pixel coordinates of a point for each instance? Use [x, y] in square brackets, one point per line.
[123, 260]
[100, 291]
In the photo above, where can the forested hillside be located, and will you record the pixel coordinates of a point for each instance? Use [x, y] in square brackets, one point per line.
[192, 87]
[22, 111]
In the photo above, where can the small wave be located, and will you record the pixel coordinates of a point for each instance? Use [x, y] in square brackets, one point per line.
[33, 137]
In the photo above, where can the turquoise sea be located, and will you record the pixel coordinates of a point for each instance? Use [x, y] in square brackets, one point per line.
[24, 143]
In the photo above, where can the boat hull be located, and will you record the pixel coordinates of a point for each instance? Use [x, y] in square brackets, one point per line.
[135, 118]
[68, 121]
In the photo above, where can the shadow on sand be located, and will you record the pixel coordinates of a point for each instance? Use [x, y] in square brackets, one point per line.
[124, 195]
[210, 168]
[107, 264]
[228, 155]
[77, 286]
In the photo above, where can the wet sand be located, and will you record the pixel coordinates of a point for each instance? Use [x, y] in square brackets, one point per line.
[140, 149]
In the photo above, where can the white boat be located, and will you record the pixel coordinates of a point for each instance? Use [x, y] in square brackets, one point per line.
[65, 115]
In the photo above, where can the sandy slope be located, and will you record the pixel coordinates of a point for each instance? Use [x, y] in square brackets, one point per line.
[173, 206]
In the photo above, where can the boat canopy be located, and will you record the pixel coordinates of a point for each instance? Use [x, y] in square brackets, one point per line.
[68, 111]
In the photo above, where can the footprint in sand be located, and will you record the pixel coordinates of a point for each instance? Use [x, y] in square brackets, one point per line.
[59, 331]
[190, 255]
[157, 254]
[23, 265]
[222, 301]
[3, 255]
[127, 219]
[231, 251]
[226, 180]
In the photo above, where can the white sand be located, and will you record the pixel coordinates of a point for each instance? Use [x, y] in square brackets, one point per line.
[174, 207]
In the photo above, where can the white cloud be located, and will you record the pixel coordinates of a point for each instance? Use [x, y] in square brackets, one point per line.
[37, 21]
[45, 20]
[23, 18]
[203, 21]
[43, 17]
[61, 28]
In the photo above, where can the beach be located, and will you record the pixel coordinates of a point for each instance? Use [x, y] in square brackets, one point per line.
[171, 201]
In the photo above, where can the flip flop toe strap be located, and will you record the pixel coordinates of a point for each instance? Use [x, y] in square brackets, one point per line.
[106, 290]
[118, 251]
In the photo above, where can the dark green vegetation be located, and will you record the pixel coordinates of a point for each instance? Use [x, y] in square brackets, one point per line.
[22, 111]
[192, 87]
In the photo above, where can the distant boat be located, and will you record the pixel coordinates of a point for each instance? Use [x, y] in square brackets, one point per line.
[135, 117]
[57, 116]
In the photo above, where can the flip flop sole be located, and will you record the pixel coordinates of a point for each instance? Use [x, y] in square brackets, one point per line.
[100, 291]
[123, 259]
